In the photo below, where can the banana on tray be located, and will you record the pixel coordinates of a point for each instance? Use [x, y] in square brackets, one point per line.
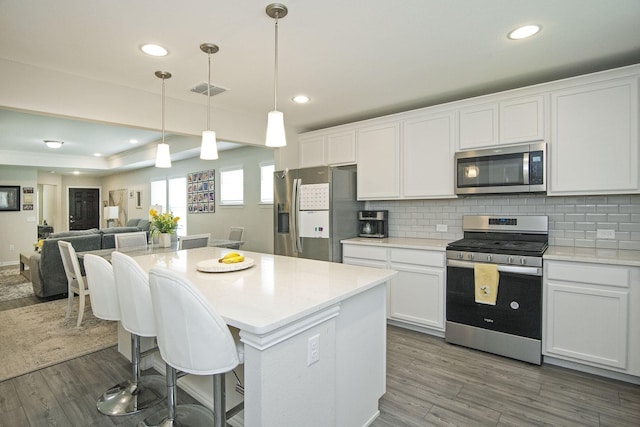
[231, 258]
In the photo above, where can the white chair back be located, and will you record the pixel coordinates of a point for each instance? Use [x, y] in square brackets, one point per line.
[235, 233]
[137, 239]
[71, 265]
[191, 335]
[102, 287]
[194, 241]
[132, 286]
[75, 281]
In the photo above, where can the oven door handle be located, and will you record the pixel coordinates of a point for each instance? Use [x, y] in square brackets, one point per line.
[515, 269]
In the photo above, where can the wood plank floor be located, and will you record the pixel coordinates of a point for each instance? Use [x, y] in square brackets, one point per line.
[429, 382]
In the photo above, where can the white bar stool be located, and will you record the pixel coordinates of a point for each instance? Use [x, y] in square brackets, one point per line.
[136, 317]
[194, 339]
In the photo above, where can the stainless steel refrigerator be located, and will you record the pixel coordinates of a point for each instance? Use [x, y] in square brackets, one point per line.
[315, 208]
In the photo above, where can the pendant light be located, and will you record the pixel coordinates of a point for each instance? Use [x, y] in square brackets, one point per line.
[209, 149]
[275, 120]
[163, 156]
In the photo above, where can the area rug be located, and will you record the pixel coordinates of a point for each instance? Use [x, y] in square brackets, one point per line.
[38, 336]
[13, 285]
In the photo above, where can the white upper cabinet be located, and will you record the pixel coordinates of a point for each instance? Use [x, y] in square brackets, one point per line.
[341, 147]
[522, 120]
[478, 126]
[409, 158]
[337, 148]
[506, 122]
[428, 147]
[379, 161]
[594, 144]
[312, 151]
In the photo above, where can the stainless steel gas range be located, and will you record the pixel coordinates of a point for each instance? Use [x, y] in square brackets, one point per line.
[510, 248]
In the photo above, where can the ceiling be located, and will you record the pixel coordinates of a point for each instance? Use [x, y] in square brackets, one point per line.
[355, 59]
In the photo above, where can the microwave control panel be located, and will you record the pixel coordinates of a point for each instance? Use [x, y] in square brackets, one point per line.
[536, 167]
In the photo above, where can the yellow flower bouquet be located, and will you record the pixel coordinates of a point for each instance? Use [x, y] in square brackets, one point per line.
[163, 223]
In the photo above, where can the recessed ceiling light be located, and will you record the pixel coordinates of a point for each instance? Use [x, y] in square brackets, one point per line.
[301, 99]
[133, 141]
[524, 32]
[76, 172]
[53, 144]
[97, 154]
[153, 50]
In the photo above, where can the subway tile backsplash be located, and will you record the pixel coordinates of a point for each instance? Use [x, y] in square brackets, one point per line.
[573, 221]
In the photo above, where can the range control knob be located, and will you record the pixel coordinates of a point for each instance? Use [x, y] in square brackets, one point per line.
[488, 258]
[523, 261]
[471, 256]
[510, 260]
[460, 255]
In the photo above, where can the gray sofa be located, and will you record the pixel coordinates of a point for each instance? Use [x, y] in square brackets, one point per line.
[47, 272]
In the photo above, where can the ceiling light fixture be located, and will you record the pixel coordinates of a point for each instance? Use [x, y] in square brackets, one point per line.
[163, 155]
[301, 99]
[209, 149]
[275, 120]
[153, 50]
[133, 141]
[524, 32]
[53, 144]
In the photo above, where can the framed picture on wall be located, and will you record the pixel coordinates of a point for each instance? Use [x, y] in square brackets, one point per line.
[9, 197]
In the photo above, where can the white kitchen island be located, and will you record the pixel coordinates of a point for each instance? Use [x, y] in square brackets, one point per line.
[280, 306]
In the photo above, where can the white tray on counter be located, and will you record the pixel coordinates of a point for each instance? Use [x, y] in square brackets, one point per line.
[213, 266]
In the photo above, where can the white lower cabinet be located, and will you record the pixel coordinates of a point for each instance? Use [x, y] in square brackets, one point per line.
[416, 296]
[591, 315]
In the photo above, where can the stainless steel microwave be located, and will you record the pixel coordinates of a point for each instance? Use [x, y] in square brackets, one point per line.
[509, 169]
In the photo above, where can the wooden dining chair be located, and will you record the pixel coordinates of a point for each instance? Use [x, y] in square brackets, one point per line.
[194, 241]
[136, 239]
[77, 284]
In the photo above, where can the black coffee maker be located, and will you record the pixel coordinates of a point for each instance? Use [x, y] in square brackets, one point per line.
[373, 223]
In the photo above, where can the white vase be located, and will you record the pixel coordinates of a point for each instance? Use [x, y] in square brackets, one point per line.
[164, 240]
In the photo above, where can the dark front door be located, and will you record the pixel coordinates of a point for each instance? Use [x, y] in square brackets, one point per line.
[84, 208]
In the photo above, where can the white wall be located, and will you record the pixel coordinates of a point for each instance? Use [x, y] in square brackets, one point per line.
[18, 230]
[257, 219]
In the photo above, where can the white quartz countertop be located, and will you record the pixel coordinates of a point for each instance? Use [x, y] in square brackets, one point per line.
[400, 242]
[600, 256]
[560, 253]
[276, 291]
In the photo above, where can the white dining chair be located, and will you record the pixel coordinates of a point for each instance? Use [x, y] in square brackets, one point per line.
[194, 241]
[194, 339]
[236, 233]
[137, 239]
[75, 281]
[129, 396]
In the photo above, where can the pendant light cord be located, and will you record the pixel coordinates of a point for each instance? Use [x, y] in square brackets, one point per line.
[275, 72]
[209, 95]
[163, 109]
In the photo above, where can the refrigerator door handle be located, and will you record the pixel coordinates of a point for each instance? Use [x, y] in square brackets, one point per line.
[295, 195]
